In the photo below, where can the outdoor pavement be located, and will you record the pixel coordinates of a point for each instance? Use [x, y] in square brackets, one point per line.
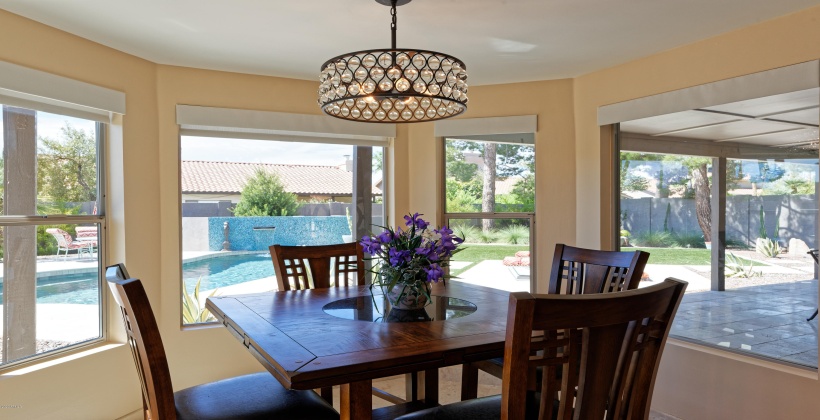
[765, 320]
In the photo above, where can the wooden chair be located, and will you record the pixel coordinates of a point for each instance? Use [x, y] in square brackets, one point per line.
[254, 396]
[574, 271]
[608, 346]
[316, 267]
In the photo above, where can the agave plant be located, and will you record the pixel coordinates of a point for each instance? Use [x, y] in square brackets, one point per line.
[193, 310]
[768, 247]
[736, 267]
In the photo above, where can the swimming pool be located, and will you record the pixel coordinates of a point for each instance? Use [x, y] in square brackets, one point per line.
[216, 272]
[81, 288]
[226, 270]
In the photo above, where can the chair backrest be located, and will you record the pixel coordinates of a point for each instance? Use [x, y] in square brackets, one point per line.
[63, 238]
[146, 344]
[116, 272]
[608, 347]
[582, 271]
[313, 267]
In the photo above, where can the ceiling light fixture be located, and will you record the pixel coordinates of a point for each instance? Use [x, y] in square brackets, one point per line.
[393, 85]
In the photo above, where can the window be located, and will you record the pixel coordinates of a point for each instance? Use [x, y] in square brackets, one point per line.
[490, 202]
[51, 227]
[240, 196]
[725, 197]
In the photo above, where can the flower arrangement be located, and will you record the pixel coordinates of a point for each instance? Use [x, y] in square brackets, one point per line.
[410, 259]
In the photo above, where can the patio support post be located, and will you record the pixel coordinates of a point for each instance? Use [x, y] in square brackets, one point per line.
[718, 224]
[19, 242]
[816, 225]
[362, 193]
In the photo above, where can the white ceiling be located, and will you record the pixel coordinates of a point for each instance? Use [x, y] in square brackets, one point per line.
[501, 41]
[785, 120]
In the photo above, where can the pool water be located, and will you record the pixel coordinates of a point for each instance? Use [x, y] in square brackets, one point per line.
[226, 270]
[71, 288]
[216, 272]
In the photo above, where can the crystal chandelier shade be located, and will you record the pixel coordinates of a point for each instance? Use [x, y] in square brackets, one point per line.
[393, 85]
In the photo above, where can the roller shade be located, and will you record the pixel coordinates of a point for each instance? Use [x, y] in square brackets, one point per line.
[265, 125]
[34, 89]
[463, 127]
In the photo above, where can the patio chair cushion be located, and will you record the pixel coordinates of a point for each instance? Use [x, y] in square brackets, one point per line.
[516, 261]
[249, 397]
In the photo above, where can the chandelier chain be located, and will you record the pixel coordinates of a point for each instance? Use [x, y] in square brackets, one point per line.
[393, 23]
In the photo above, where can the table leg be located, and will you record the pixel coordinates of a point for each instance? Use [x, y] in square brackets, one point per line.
[422, 386]
[355, 400]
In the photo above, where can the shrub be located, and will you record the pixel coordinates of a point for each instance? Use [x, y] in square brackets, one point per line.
[193, 310]
[689, 240]
[265, 195]
[768, 247]
[461, 201]
[516, 235]
[466, 231]
[486, 237]
[655, 240]
[736, 267]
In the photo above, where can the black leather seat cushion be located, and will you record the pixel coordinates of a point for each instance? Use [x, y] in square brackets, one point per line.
[487, 408]
[250, 397]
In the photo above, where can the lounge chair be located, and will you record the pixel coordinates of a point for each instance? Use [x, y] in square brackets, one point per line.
[66, 243]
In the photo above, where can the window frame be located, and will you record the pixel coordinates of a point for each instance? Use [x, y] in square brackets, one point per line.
[529, 216]
[100, 219]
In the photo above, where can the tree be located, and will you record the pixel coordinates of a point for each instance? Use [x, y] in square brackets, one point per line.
[499, 161]
[265, 195]
[488, 196]
[67, 168]
[765, 174]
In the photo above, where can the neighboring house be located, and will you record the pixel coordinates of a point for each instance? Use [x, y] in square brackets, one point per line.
[204, 181]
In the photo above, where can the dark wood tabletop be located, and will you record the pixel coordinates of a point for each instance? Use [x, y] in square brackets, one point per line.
[305, 348]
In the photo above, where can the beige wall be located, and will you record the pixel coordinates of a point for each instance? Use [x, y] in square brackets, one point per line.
[103, 384]
[146, 224]
[695, 383]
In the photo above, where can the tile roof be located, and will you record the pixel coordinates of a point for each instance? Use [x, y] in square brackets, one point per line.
[230, 177]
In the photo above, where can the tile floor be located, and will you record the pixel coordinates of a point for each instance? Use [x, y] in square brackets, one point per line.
[766, 320]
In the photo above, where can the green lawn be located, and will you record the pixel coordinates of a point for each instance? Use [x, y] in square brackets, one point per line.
[679, 256]
[475, 253]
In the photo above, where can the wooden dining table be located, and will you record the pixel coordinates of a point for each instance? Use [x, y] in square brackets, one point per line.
[296, 338]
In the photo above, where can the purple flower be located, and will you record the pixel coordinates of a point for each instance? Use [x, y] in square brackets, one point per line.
[370, 244]
[385, 237]
[397, 257]
[428, 252]
[415, 221]
[434, 272]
